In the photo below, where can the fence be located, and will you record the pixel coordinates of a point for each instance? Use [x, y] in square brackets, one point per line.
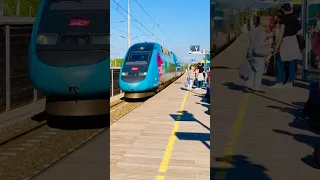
[16, 89]
[114, 83]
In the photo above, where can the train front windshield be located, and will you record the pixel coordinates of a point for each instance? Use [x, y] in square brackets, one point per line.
[139, 55]
[138, 58]
[74, 32]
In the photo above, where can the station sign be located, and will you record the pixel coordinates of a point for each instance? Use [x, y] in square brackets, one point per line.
[195, 48]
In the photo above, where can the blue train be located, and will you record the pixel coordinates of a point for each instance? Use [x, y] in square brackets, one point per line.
[147, 68]
[69, 56]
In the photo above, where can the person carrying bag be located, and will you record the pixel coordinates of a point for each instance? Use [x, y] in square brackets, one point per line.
[259, 49]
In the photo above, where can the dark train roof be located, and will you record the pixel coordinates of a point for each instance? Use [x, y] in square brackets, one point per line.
[151, 43]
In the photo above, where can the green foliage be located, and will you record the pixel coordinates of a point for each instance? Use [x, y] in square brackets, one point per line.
[27, 7]
[116, 62]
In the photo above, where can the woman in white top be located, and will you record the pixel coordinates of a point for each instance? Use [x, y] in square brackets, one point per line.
[200, 75]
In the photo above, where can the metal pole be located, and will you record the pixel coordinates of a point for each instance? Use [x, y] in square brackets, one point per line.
[35, 95]
[205, 66]
[18, 8]
[2, 8]
[30, 11]
[112, 82]
[8, 89]
[129, 21]
[304, 21]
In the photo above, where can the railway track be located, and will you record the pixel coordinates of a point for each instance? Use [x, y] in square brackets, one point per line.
[39, 125]
[39, 146]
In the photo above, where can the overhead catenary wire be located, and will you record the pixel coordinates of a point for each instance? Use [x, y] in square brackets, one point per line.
[133, 24]
[157, 39]
[153, 20]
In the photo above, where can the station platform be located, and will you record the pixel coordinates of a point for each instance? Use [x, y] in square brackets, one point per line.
[166, 137]
[257, 135]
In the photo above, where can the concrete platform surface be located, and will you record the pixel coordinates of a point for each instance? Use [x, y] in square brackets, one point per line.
[257, 135]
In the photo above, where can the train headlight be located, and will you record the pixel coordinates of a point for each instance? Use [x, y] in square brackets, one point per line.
[47, 39]
[124, 74]
[143, 74]
[100, 39]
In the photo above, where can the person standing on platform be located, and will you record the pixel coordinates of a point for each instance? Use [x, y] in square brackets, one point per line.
[191, 77]
[259, 50]
[200, 75]
[288, 46]
[279, 68]
[315, 42]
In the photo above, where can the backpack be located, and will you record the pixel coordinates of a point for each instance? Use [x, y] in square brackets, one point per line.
[245, 69]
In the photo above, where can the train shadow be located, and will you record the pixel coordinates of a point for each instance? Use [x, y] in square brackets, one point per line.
[136, 100]
[74, 122]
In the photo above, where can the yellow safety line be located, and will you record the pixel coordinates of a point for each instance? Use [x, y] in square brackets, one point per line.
[165, 160]
[233, 137]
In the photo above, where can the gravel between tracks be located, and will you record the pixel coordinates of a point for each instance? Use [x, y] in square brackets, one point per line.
[30, 154]
[10, 128]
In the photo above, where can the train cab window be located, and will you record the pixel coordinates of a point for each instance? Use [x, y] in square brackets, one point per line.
[73, 32]
[76, 17]
[138, 57]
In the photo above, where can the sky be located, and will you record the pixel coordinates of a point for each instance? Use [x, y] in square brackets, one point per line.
[182, 23]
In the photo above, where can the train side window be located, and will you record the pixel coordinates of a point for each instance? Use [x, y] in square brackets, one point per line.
[165, 51]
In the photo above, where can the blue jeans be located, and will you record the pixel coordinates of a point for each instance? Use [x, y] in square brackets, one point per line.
[281, 70]
[199, 85]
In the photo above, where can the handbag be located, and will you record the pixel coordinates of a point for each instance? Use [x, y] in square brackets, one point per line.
[186, 83]
[261, 51]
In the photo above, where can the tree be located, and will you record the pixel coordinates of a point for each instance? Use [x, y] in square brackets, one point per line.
[27, 7]
[116, 62]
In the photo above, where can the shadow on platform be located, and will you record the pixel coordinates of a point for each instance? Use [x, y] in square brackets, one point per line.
[222, 67]
[299, 122]
[233, 86]
[304, 139]
[242, 169]
[185, 116]
[73, 123]
[236, 87]
[206, 105]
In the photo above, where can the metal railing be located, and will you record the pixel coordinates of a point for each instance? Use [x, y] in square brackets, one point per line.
[114, 86]
[16, 89]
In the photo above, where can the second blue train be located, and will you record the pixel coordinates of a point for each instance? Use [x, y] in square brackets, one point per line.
[147, 68]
